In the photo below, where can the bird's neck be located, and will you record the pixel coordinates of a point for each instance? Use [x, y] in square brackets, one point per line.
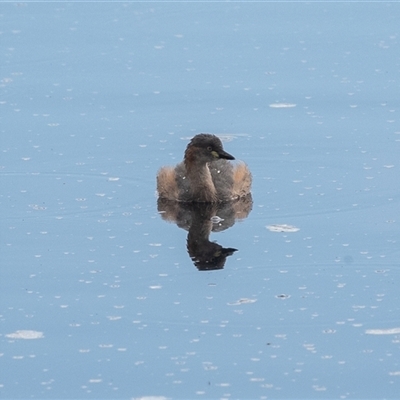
[201, 184]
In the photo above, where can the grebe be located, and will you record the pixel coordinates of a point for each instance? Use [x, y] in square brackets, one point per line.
[205, 175]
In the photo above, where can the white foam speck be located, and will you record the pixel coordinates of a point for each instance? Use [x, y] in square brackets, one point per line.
[25, 334]
[392, 331]
[150, 398]
[282, 105]
[282, 228]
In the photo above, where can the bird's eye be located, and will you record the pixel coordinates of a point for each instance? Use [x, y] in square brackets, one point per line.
[209, 148]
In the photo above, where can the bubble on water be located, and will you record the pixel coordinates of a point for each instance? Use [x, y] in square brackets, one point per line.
[283, 296]
[242, 301]
[216, 220]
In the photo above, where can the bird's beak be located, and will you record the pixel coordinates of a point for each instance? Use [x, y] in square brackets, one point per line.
[225, 155]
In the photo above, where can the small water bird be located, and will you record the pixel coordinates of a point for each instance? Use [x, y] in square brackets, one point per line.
[205, 175]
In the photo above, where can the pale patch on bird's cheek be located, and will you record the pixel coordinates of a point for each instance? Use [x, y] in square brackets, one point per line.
[215, 154]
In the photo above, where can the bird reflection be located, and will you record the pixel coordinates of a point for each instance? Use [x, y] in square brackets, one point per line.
[200, 219]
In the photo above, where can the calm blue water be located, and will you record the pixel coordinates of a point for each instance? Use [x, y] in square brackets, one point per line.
[99, 296]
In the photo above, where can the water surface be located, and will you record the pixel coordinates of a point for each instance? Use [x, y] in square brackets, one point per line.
[100, 297]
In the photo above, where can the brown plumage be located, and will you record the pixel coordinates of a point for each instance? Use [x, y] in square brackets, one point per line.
[205, 175]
